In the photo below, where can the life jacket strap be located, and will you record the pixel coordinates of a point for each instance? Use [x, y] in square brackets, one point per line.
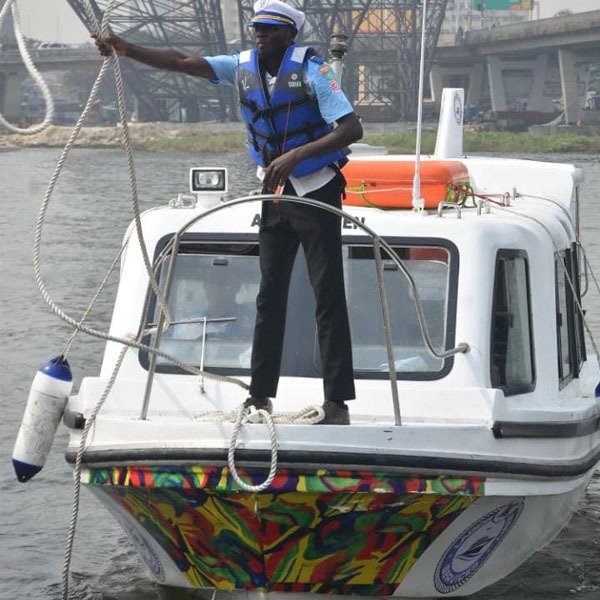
[286, 106]
[307, 129]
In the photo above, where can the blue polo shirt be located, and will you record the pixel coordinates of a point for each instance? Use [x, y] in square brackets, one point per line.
[319, 78]
[320, 81]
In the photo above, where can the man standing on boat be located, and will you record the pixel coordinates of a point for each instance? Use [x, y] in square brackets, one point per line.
[289, 101]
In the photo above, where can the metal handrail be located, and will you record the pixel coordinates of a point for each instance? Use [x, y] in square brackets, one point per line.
[157, 334]
[441, 205]
[171, 249]
[481, 204]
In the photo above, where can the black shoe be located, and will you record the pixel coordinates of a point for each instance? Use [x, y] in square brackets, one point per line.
[335, 414]
[259, 404]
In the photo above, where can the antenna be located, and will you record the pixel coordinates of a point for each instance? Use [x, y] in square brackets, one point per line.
[417, 202]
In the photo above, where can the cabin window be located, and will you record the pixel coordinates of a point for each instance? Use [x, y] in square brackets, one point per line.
[569, 324]
[512, 364]
[430, 268]
[220, 281]
[221, 288]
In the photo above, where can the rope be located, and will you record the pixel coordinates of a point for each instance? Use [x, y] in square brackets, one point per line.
[77, 473]
[577, 238]
[54, 308]
[35, 75]
[79, 325]
[86, 313]
[242, 416]
[308, 416]
[457, 194]
[132, 177]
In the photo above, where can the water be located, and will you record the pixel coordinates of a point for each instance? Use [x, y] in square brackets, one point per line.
[86, 222]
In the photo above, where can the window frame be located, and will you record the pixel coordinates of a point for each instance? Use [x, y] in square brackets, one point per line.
[580, 329]
[188, 240]
[512, 389]
[575, 333]
[185, 247]
[563, 378]
[452, 300]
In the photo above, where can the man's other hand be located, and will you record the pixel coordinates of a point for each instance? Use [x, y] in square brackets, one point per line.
[280, 169]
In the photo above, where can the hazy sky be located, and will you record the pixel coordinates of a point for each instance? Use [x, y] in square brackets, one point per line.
[55, 21]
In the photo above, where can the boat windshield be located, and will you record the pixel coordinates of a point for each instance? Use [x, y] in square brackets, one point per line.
[212, 307]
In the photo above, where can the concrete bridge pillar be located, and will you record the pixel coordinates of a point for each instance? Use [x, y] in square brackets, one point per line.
[469, 78]
[537, 101]
[568, 82]
[475, 85]
[497, 93]
[10, 96]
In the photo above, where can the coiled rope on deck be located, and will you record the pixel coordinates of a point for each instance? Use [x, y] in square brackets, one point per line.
[35, 75]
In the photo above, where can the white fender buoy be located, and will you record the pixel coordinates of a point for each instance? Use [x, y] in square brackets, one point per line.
[45, 406]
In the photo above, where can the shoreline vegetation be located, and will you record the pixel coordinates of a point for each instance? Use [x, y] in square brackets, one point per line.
[230, 137]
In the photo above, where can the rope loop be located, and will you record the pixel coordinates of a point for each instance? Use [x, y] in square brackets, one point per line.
[245, 414]
[33, 72]
[307, 416]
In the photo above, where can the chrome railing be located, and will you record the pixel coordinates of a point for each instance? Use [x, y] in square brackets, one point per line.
[171, 250]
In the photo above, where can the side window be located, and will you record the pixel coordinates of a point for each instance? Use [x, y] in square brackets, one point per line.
[565, 360]
[433, 269]
[579, 327]
[569, 324]
[512, 364]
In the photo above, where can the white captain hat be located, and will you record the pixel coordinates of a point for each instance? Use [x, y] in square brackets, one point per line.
[276, 12]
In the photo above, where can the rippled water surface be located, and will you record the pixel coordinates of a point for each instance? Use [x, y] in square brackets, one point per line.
[87, 218]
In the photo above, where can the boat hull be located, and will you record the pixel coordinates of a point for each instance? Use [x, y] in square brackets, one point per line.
[333, 532]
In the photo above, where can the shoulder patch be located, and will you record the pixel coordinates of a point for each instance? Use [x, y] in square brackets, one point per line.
[327, 71]
[299, 53]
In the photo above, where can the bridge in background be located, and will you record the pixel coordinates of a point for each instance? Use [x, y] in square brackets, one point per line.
[528, 65]
[381, 72]
[59, 58]
[523, 68]
[13, 71]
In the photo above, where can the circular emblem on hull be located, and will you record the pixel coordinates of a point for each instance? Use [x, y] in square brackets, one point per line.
[474, 546]
[458, 109]
[147, 553]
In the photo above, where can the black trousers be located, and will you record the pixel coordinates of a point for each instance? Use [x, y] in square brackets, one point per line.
[285, 225]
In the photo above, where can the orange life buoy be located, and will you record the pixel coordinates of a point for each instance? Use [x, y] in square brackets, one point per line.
[386, 182]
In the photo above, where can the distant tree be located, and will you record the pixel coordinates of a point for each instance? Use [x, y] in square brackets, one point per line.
[564, 12]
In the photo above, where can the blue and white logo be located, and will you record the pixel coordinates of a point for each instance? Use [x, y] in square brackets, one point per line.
[474, 546]
[146, 553]
[458, 109]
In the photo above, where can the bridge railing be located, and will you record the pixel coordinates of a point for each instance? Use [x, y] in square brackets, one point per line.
[88, 53]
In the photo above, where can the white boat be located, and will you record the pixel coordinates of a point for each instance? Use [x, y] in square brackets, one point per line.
[454, 469]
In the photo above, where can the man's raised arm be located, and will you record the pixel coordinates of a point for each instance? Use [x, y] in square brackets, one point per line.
[161, 58]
